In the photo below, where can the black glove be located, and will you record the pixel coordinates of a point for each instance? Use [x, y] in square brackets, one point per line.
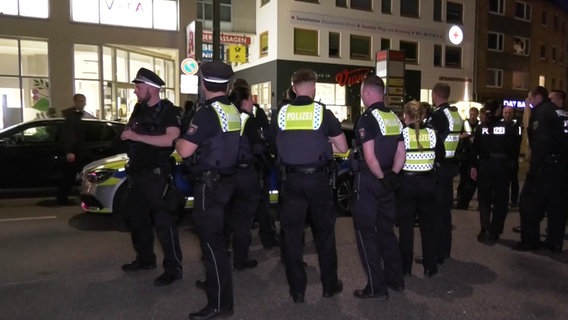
[390, 181]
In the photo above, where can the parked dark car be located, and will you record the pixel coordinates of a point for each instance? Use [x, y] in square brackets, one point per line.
[31, 156]
[344, 180]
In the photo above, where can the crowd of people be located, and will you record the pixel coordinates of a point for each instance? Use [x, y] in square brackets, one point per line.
[403, 173]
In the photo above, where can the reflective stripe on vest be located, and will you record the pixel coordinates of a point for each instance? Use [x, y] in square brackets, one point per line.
[308, 117]
[388, 122]
[244, 118]
[229, 116]
[455, 125]
[416, 160]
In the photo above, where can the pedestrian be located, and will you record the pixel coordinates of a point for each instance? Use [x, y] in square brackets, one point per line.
[382, 154]
[306, 136]
[210, 148]
[509, 118]
[466, 187]
[493, 157]
[448, 124]
[417, 196]
[72, 139]
[151, 200]
[545, 188]
[558, 98]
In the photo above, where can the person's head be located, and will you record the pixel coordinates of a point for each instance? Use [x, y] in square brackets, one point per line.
[414, 112]
[537, 95]
[147, 86]
[51, 112]
[440, 93]
[558, 97]
[241, 83]
[372, 90]
[79, 101]
[482, 115]
[492, 109]
[473, 114]
[508, 113]
[304, 83]
[215, 77]
[242, 98]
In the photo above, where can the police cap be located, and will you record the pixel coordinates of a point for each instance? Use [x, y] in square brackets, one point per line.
[216, 72]
[148, 77]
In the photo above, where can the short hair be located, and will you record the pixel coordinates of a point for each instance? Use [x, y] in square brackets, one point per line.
[78, 95]
[474, 109]
[375, 82]
[304, 75]
[539, 91]
[239, 94]
[442, 90]
[561, 94]
[240, 83]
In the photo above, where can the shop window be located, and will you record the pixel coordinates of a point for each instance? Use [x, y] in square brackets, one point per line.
[453, 57]
[410, 50]
[107, 63]
[454, 12]
[494, 78]
[386, 6]
[334, 45]
[91, 89]
[360, 47]
[523, 11]
[521, 46]
[86, 61]
[25, 8]
[438, 10]
[10, 57]
[520, 80]
[122, 66]
[437, 55]
[333, 96]
[263, 44]
[497, 6]
[495, 41]
[410, 8]
[385, 44]
[306, 42]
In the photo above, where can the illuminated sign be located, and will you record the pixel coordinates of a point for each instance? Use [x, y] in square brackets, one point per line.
[351, 77]
[514, 103]
[227, 38]
[455, 35]
[189, 66]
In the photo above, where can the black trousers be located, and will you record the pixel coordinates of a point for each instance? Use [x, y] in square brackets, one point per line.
[444, 199]
[544, 191]
[210, 206]
[148, 212]
[299, 193]
[266, 226]
[514, 178]
[374, 216]
[467, 186]
[241, 212]
[493, 193]
[68, 178]
[417, 198]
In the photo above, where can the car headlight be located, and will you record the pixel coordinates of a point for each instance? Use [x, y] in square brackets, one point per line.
[99, 175]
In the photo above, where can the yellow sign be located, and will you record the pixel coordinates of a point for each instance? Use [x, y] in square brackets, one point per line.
[397, 82]
[237, 53]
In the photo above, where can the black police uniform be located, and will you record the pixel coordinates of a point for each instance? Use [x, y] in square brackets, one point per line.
[545, 187]
[374, 208]
[303, 156]
[466, 187]
[494, 157]
[72, 140]
[212, 169]
[150, 199]
[514, 177]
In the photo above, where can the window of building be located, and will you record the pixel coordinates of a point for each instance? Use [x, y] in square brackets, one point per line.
[410, 8]
[521, 46]
[494, 78]
[495, 41]
[385, 44]
[497, 6]
[520, 80]
[341, 3]
[147, 14]
[386, 6]
[366, 5]
[263, 2]
[205, 10]
[544, 18]
[360, 47]
[25, 8]
[334, 48]
[306, 42]
[24, 83]
[437, 55]
[437, 10]
[553, 83]
[311, 1]
[555, 22]
[453, 57]
[553, 54]
[523, 11]
[454, 12]
[263, 44]
[410, 50]
[561, 57]
[542, 52]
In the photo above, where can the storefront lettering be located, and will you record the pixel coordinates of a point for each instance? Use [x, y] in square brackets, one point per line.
[227, 38]
[128, 5]
[351, 77]
[514, 103]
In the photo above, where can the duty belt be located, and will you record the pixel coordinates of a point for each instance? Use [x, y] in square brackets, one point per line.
[304, 170]
[417, 173]
[160, 171]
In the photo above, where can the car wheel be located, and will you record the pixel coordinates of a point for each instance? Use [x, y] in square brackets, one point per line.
[119, 207]
[342, 194]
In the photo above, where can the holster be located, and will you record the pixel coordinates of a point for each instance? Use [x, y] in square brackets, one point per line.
[210, 179]
[332, 168]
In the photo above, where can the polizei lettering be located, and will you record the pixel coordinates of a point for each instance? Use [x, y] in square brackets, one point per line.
[299, 116]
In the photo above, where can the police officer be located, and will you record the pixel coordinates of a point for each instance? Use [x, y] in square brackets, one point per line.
[493, 159]
[448, 124]
[379, 135]
[304, 130]
[416, 196]
[212, 141]
[509, 118]
[466, 186]
[150, 199]
[248, 186]
[544, 190]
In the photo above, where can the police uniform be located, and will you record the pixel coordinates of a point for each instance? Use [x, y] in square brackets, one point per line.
[514, 177]
[416, 198]
[545, 188]
[493, 157]
[466, 186]
[374, 210]
[215, 128]
[447, 123]
[151, 199]
[303, 128]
